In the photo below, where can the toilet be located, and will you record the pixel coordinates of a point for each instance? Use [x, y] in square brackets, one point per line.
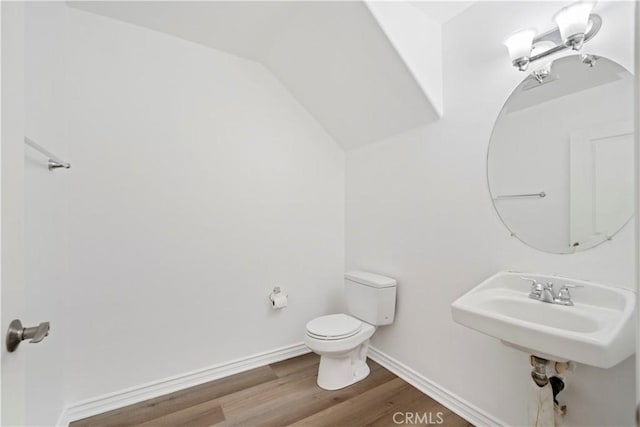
[342, 340]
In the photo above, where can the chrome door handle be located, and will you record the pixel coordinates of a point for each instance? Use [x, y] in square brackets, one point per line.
[37, 333]
[16, 334]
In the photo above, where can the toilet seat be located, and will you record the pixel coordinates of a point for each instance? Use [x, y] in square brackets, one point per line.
[333, 327]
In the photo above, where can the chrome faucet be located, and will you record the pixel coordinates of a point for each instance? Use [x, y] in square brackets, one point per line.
[546, 293]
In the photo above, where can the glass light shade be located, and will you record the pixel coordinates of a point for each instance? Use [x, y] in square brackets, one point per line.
[519, 44]
[573, 20]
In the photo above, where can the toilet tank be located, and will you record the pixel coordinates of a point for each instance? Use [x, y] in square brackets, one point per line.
[370, 297]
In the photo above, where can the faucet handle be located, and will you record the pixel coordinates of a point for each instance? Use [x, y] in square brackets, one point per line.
[564, 296]
[536, 287]
[530, 279]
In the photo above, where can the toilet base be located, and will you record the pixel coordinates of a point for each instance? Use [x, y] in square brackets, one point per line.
[338, 372]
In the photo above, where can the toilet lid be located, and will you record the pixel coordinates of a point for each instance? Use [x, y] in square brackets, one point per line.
[334, 326]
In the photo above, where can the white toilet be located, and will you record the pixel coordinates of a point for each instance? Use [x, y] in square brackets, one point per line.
[342, 340]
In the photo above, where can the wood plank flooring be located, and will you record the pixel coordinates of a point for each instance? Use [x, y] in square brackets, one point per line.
[283, 394]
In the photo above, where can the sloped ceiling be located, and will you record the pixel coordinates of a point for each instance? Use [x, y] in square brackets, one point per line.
[443, 11]
[333, 56]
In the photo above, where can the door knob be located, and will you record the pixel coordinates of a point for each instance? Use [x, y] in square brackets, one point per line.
[16, 334]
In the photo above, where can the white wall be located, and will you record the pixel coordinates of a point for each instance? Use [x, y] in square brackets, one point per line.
[197, 184]
[418, 209]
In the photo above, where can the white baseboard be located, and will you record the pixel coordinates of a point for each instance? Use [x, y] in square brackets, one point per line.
[97, 405]
[466, 410]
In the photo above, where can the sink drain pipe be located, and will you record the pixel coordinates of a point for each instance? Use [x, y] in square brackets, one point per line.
[544, 409]
[539, 371]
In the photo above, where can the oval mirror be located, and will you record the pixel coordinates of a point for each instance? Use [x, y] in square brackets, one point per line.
[560, 163]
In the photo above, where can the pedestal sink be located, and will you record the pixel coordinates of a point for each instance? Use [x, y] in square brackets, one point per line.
[598, 330]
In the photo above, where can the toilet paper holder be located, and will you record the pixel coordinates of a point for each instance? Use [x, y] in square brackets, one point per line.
[276, 291]
[278, 298]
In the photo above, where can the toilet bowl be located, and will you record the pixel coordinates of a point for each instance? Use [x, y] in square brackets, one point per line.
[342, 342]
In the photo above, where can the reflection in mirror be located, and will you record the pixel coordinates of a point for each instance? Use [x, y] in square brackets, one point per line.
[560, 162]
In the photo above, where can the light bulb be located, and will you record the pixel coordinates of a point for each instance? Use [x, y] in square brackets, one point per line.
[519, 46]
[572, 22]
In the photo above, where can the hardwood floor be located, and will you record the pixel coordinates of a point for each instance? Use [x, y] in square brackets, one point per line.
[283, 394]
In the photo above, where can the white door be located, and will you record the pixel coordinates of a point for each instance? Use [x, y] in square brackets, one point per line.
[601, 181]
[637, 199]
[12, 213]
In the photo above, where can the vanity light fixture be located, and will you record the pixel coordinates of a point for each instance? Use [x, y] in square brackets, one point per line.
[519, 45]
[572, 22]
[576, 26]
[589, 60]
[541, 73]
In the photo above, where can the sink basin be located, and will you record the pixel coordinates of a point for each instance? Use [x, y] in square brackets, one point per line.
[598, 330]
